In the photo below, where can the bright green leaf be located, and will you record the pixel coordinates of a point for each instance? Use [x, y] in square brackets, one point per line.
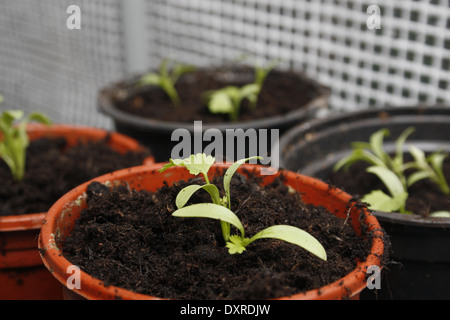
[199, 163]
[150, 79]
[420, 160]
[229, 174]
[389, 178]
[293, 235]
[417, 176]
[210, 210]
[220, 102]
[358, 155]
[378, 200]
[399, 143]
[376, 143]
[166, 79]
[236, 244]
[15, 139]
[185, 194]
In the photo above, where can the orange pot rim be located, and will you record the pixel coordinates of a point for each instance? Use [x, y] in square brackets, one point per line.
[34, 221]
[348, 286]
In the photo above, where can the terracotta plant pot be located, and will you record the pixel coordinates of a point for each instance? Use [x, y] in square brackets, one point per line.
[22, 274]
[64, 214]
[156, 133]
[419, 245]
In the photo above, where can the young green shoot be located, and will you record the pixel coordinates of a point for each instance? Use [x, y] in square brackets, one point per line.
[166, 79]
[220, 209]
[396, 200]
[430, 167]
[14, 142]
[391, 170]
[229, 99]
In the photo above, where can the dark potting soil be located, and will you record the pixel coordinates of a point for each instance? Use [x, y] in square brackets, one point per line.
[279, 95]
[129, 239]
[424, 196]
[52, 170]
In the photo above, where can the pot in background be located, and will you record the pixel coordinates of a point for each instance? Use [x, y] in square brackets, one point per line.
[419, 245]
[22, 274]
[156, 134]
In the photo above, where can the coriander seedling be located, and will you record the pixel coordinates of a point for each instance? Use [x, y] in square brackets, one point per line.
[228, 100]
[391, 171]
[166, 79]
[430, 167]
[220, 209]
[15, 140]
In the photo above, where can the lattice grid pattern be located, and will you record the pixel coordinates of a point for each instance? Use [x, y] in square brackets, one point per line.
[44, 66]
[407, 61]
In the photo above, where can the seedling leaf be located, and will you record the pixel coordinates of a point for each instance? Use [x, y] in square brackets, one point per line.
[220, 102]
[378, 200]
[210, 210]
[417, 176]
[376, 143]
[185, 194]
[166, 79]
[399, 143]
[236, 244]
[15, 139]
[199, 163]
[389, 178]
[359, 155]
[293, 235]
[229, 174]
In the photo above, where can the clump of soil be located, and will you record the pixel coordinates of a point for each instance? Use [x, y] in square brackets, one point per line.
[280, 94]
[424, 198]
[52, 170]
[129, 239]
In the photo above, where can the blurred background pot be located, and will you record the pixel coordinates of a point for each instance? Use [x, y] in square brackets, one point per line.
[420, 245]
[156, 133]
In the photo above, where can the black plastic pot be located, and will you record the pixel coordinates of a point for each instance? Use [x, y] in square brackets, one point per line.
[157, 134]
[421, 246]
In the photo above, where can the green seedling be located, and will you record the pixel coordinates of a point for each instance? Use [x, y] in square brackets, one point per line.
[166, 79]
[391, 170]
[220, 209]
[14, 142]
[396, 200]
[228, 100]
[430, 167]
[373, 153]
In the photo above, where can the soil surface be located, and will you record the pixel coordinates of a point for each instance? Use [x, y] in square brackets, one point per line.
[52, 170]
[129, 239]
[424, 196]
[281, 93]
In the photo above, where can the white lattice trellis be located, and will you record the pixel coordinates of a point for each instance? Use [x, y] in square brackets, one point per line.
[44, 66]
